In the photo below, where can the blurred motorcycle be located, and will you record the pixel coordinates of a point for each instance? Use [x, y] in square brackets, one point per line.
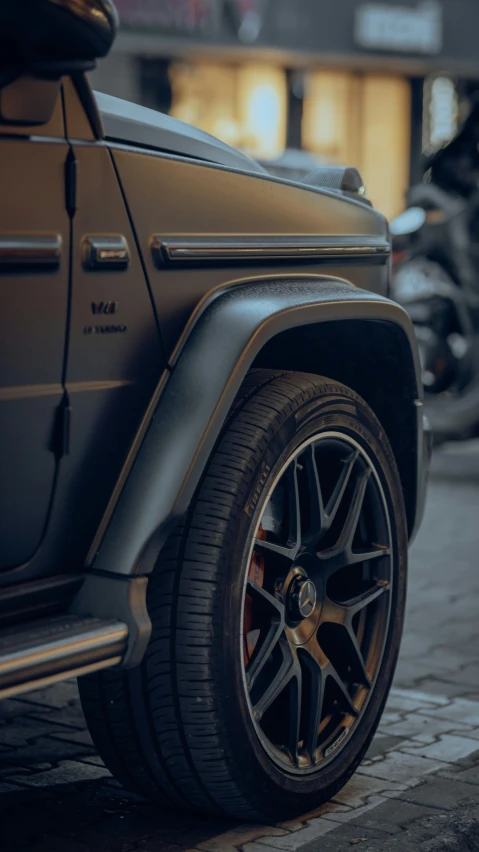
[436, 278]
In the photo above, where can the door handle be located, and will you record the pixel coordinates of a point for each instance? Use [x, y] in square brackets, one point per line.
[104, 253]
[19, 252]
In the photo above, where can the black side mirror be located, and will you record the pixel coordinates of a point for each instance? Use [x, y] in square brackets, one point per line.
[40, 42]
[56, 30]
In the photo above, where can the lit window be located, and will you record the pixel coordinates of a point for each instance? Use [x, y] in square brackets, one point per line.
[262, 100]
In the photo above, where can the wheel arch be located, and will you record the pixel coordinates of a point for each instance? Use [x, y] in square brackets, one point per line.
[295, 323]
[374, 358]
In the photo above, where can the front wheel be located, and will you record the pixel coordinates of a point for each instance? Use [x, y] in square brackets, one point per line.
[277, 612]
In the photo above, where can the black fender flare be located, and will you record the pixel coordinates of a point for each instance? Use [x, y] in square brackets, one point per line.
[218, 347]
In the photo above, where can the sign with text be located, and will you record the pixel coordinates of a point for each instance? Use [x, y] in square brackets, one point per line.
[190, 16]
[404, 29]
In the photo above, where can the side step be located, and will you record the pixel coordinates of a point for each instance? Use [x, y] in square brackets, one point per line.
[39, 653]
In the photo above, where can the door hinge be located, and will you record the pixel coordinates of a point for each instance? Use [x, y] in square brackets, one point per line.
[60, 445]
[71, 183]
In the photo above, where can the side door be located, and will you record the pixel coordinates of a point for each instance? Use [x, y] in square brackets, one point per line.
[115, 356]
[34, 273]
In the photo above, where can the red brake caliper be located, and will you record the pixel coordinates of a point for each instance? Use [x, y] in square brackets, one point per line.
[256, 574]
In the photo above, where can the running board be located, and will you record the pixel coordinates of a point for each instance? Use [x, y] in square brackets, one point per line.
[39, 653]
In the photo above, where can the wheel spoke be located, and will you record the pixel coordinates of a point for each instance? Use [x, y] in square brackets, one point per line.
[286, 671]
[294, 507]
[367, 554]
[350, 526]
[317, 517]
[290, 550]
[335, 558]
[266, 645]
[336, 498]
[345, 697]
[342, 614]
[315, 661]
[341, 554]
[358, 666]
[295, 703]
[265, 597]
[361, 601]
[334, 613]
[279, 549]
[323, 669]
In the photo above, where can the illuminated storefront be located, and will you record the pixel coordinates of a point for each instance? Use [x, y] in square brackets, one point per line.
[244, 105]
[339, 78]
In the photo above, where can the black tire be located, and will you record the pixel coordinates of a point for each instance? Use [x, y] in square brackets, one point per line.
[178, 728]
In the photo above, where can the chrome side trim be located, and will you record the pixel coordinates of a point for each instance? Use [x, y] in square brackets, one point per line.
[26, 251]
[51, 649]
[87, 387]
[29, 391]
[245, 249]
[24, 391]
[49, 653]
[105, 252]
[42, 682]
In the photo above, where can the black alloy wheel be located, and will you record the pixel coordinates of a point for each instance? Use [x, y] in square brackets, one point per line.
[276, 609]
[317, 602]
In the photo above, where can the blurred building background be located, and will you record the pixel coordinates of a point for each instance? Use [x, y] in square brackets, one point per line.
[373, 84]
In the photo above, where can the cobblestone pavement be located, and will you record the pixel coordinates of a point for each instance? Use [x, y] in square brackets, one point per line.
[417, 790]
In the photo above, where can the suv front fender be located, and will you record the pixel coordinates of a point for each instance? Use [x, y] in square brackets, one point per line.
[222, 340]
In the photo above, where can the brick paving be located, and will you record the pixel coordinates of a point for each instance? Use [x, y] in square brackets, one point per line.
[417, 790]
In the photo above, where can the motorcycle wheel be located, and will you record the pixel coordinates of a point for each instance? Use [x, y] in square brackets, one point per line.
[277, 613]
